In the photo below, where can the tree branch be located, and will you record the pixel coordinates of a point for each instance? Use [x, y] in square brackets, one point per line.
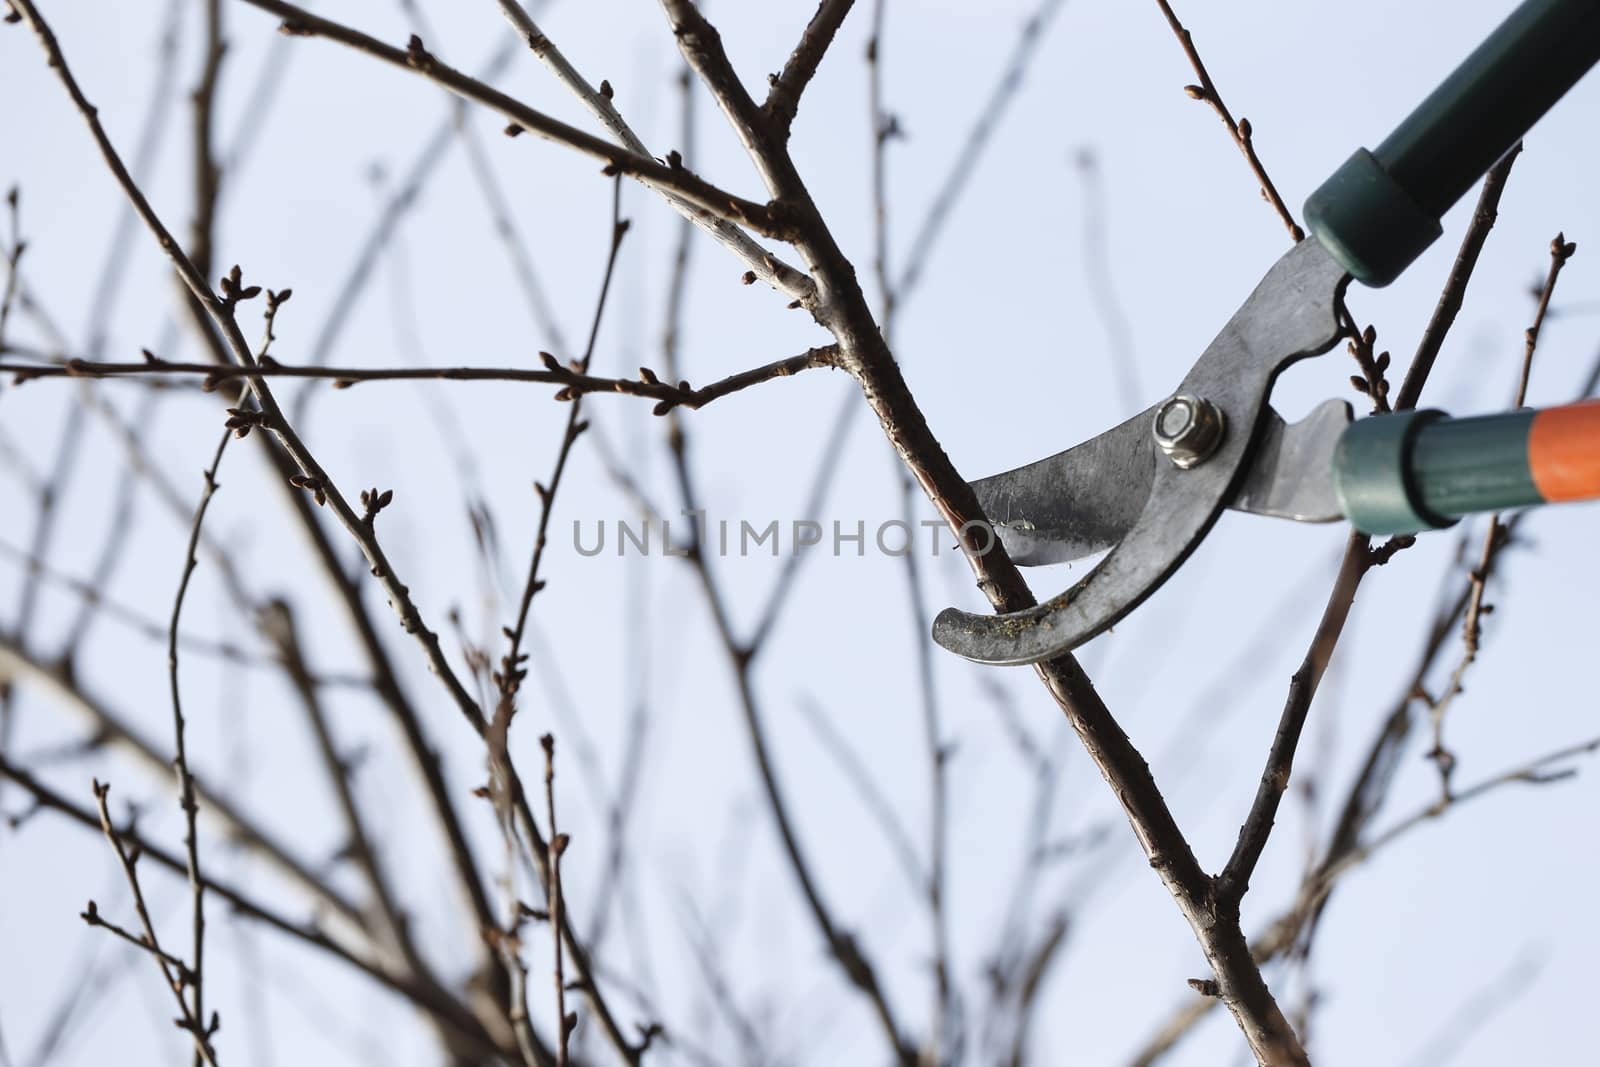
[843, 310]
[1358, 559]
[785, 87]
[186, 790]
[696, 191]
[431, 1000]
[573, 383]
[196, 1027]
[1240, 131]
[780, 275]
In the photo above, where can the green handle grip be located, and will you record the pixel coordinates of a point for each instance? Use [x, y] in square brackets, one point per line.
[1381, 209]
[1419, 470]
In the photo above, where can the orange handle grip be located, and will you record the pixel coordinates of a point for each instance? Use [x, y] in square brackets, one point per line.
[1564, 451]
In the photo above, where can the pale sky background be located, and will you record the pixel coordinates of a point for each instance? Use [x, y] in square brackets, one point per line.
[1009, 353]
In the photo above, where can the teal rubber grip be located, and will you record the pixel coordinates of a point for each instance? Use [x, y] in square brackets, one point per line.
[1374, 479]
[1462, 466]
[1418, 470]
[1381, 209]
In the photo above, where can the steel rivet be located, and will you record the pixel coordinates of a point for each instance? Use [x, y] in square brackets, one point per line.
[1188, 429]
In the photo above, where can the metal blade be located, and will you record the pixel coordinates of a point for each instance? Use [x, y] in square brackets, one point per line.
[1082, 501]
[1077, 502]
[1291, 470]
[1290, 315]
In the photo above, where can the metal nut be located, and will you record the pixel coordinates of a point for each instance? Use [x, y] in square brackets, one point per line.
[1188, 429]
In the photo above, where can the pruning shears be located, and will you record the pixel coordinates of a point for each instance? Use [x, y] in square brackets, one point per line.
[1151, 488]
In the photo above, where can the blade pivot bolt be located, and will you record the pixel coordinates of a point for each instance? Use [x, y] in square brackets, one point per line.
[1188, 429]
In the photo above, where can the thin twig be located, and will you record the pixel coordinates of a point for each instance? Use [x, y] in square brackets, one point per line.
[13, 257]
[1098, 269]
[207, 178]
[427, 1000]
[693, 35]
[867, 788]
[277, 623]
[558, 845]
[719, 988]
[1281, 934]
[866, 356]
[92, 594]
[1461, 1028]
[600, 103]
[937, 216]
[91, 915]
[197, 1031]
[220, 331]
[1240, 131]
[508, 939]
[574, 383]
[1371, 785]
[1235, 877]
[1455, 287]
[944, 1037]
[314, 478]
[968, 156]
[1359, 557]
[207, 172]
[785, 87]
[415, 57]
[498, 204]
[1561, 250]
[509, 678]
[505, 787]
[505, 790]
[17, 665]
[391, 212]
[180, 762]
[108, 285]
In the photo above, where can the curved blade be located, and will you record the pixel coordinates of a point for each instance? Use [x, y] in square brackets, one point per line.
[1086, 499]
[1291, 314]
[1077, 502]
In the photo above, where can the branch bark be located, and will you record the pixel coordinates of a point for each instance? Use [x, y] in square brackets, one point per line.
[843, 310]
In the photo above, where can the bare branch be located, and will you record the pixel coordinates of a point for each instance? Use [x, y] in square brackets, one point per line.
[701, 48]
[573, 383]
[19, 665]
[1455, 288]
[431, 1000]
[769, 268]
[509, 678]
[1494, 538]
[1359, 557]
[186, 790]
[1235, 877]
[662, 176]
[199, 1032]
[944, 1038]
[1240, 131]
[785, 87]
[91, 915]
[13, 257]
[558, 845]
[865, 355]
[404, 196]
[973, 145]
[221, 311]
[1561, 250]
[872, 799]
[1280, 935]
